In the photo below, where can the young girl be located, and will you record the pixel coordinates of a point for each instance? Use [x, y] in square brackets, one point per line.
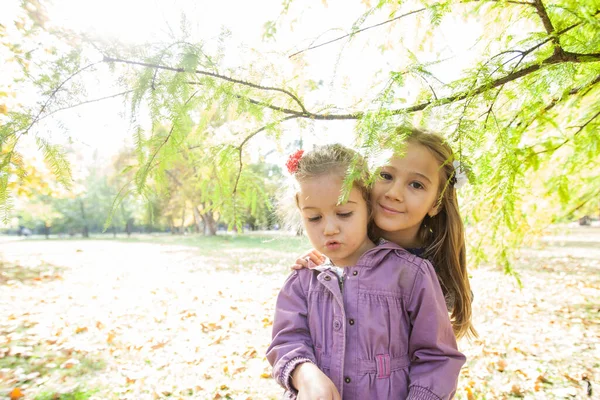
[369, 323]
[415, 206]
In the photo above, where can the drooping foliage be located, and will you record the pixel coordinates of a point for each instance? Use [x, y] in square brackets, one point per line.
[523, 115]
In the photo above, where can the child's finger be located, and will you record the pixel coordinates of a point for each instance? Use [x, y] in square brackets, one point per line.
[296, 267]
[316, 257]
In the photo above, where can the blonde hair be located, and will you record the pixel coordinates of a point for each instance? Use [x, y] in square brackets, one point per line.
[335, 159]
[319, 162]
[444, 234]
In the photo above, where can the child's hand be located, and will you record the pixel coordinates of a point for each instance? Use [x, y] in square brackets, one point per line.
[313, 255]
[312, 383]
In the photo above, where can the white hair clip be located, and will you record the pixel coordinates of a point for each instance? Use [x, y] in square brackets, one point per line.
[459, 179]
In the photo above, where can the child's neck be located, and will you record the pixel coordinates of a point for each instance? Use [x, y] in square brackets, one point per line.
[406, 240]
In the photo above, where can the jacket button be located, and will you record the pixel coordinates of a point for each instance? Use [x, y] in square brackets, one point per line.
[347, 379]
[351, 321]
[337, 325]
[355, 273]
[327, 278]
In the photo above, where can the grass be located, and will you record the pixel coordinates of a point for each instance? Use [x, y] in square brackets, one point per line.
[190, 317]
[74, 395]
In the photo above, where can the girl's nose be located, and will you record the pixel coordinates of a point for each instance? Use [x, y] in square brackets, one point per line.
[395, 193]
[331, 227]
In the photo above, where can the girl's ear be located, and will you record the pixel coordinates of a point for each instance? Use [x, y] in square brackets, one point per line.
[434, 210]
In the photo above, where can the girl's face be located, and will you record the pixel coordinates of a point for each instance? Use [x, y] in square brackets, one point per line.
[337, 230]
[405, 192]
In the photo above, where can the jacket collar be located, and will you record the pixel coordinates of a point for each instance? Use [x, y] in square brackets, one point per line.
[370, 258]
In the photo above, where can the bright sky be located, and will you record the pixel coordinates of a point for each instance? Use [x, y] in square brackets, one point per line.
[103, 128]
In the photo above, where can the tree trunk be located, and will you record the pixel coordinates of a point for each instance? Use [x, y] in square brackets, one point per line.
[129, 226]
[210, 225]
[182, 227]
[198, 219]
[47, 230]
[85, 232]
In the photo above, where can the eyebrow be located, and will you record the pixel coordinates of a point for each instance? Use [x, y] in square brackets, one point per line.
[316, 208]
[421, 175]
[410, 172]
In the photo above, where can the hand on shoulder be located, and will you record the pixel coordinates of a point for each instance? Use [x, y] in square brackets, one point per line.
[314, 255]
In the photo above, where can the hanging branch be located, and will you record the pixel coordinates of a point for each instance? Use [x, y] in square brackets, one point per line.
[54, 92]
[246, 140]
[579, 130]
[208, 73]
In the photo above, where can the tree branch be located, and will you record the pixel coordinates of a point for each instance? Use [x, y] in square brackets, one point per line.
[579, 130]
[37, 117]
[211, 74]
[523, 3]
[358, 31]
[553, 103]
[555, 58]
[166, 138]
[85, 102]
[541, 11]
[246, 139]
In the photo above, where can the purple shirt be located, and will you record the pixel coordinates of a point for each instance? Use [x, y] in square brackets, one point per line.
[382, 334]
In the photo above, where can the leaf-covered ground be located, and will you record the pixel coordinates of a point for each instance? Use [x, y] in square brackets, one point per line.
[190, 317]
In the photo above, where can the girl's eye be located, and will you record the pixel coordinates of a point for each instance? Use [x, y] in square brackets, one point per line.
[417, 185]
[385, 176]
[345, 215]
[314, 219]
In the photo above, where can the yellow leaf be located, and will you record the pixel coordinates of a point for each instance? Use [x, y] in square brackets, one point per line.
[517, 391]
[501, 365]
[81, 329]
[16, 394]
[265, 375]
[3, 109]
[470, 395]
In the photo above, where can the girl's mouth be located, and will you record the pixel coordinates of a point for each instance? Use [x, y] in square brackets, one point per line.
[332, 245]
[389, 210]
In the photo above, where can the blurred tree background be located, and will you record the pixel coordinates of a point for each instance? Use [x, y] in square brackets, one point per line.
[519, 105]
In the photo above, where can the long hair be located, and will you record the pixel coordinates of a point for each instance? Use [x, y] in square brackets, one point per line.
[444, 235]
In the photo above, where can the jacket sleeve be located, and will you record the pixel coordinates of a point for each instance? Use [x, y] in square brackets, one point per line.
[435, 360]
[291, 341]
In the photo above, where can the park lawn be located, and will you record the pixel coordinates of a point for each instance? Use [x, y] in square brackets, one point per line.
[190, 317]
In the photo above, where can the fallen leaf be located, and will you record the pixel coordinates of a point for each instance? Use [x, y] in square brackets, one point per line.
[81, 329]
[571, 379]
[469, 391]
[159, 345]
[516, 390]
[69, 364]
[501, 365]
[16, 394]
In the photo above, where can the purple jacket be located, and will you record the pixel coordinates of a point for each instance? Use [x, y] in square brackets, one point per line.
[381, 333]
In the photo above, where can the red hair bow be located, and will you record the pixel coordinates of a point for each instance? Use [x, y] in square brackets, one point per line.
[293, 161]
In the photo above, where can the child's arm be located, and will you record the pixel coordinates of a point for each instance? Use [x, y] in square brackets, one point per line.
[435, 360]
[292, 344]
